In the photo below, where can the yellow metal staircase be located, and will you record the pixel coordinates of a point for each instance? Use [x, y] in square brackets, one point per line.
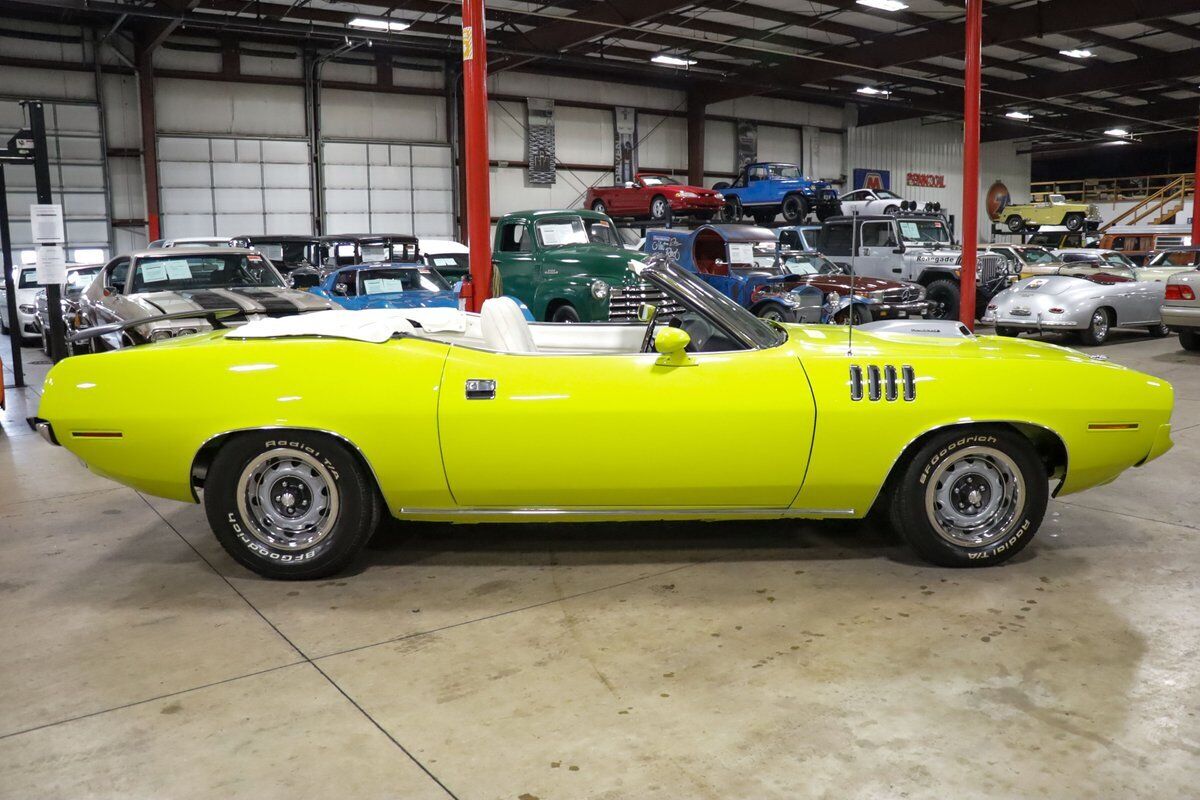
[1159, 206]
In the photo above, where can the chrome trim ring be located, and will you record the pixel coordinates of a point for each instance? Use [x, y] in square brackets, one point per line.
[288, 499]
[1100, 323]
[974, 497]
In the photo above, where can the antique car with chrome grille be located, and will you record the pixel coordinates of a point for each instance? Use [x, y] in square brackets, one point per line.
[914, 246]
[1089, 306]
[956, 438]
[79, 276]
[177, 281]
[568, 266]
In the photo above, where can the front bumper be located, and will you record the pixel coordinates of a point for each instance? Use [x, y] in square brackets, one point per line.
[916, 308]
[1181, 317]
[696, 205]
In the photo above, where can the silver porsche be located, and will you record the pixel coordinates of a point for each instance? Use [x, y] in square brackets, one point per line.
[174, 281]
[1089, 307]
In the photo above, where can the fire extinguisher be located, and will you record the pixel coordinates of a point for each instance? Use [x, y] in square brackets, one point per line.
[464, 293]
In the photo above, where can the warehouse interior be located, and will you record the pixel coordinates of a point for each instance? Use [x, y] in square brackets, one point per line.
[661, 655]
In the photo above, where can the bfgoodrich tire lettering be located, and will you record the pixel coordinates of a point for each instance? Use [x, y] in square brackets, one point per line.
[960, 464]
[253, 471]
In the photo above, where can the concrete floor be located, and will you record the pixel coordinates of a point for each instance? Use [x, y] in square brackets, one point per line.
[739, 660]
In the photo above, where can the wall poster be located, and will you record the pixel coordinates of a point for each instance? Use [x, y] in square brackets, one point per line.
[747, 144]
[539, 140]
[625, 144]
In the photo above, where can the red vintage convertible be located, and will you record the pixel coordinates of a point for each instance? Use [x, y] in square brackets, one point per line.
[655, 196]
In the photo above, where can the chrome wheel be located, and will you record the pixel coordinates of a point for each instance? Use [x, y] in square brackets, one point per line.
[599, 207]
[974, 497]
[658, 209]
[289, 498]
[1099, 324]
[773, 313]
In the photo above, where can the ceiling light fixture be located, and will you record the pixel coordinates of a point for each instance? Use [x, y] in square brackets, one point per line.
[672, 61]
[873, 91]
[1018, 115]
[1116, 132]
[883, 5]
[1077, 53]
[367, 23]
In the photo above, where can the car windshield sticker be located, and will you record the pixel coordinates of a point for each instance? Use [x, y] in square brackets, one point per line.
[154, 273]
[1035, 284]
[741, 253]
[381, 285]
[272, 251]
[444, 261]
[177, 270]
[553, 234]
[912, 230]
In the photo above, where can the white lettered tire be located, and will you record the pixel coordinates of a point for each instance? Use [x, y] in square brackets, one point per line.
[290, 505]
[971, 497]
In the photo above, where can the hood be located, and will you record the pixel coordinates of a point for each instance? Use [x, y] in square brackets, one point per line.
[271, 301]
[598, 259]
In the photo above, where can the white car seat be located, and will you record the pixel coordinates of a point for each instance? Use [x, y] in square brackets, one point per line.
[504, 327]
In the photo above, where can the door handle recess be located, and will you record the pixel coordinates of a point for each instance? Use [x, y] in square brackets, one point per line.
[481, 389]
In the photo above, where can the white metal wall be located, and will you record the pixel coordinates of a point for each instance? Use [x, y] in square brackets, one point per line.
[910, 146]
[232, 186]
[380, 187]
[77, 178]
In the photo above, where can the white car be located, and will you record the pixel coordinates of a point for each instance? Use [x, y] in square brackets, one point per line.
[26, 287]
[870, 201]
[450, 258]
[190, 241]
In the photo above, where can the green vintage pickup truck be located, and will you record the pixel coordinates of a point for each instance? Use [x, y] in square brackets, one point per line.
[568, 266]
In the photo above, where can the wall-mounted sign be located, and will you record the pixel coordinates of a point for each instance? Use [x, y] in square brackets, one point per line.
[46, 219]
[539, 140]
[746, 147]
[925, 180]
[998, 199]
[876, 179]
[625, 144]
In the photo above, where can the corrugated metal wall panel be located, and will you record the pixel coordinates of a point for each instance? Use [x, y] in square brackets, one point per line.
[388, 188]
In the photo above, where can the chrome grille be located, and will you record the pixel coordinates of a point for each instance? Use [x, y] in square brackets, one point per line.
[901, 294]
[623, 302]
[991, 266]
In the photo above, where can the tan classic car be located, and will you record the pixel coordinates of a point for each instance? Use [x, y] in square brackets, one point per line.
[1051, 209]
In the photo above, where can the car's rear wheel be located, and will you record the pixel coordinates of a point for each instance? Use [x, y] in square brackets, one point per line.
[1159, 331]
[795, 209]
[1098, 327]
[599, 207]
[892, 210]
[1189, 339]
[294, 505]
[945, 297]
[1002, 331]
[970, 498]
[1015, 223]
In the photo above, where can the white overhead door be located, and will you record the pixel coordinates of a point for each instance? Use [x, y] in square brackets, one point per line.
[214, 186]
[77, 180]
[388, 188]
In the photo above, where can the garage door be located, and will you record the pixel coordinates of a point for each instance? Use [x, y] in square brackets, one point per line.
[77, 180]
[388, 188]
[233, 186]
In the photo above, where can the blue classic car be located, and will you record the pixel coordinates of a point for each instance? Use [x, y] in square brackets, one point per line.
[766, 189]
[741, 262]
[387, 286]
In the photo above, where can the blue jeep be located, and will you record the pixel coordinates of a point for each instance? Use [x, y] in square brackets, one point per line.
[765, 190]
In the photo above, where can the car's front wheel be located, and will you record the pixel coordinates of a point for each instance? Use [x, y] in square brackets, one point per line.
[564, 313]
[795, 209]
[293, 505]
[1189, 339]
[970, 498]
[945, 297]
[660, 209]
[1015, 223]
[776, 313]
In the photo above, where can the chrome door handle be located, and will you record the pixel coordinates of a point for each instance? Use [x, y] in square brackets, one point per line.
[481, 389]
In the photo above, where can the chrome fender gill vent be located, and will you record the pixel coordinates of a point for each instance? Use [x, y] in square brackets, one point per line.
[883, 384]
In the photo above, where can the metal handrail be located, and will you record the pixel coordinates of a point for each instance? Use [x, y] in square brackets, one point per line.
[1172, 192]
[1110, 190]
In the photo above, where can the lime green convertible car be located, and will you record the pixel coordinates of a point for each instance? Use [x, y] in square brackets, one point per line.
[300, 432]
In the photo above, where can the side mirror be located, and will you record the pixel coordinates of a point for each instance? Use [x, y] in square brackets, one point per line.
[671, 344]
[340, 289]
[898, 250]
[646, 313]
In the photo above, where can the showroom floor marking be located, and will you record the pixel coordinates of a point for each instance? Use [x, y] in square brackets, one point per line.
[300, 652]
[144, 701]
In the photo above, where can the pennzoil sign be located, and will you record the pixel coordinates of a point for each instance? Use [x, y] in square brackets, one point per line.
[925, 180]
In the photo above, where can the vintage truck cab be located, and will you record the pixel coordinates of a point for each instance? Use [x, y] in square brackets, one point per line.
[913, 246]
[766, 190]
[568, 266]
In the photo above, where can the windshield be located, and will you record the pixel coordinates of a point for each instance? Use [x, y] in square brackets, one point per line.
[697, 295]
[1057, 198]
[28, 279]
[659, 180]
[1036, 255]
[450, 265]
[884, 194]
[79, 279]
[809, 264]
[178, 273]
[401, 279]
[288, 254]
[787, 172]
[924, 231]
[1175, 258]
[764, 258]
[564, 231]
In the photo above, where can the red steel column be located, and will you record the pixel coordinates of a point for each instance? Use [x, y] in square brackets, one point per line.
[475, 151]
[1196, 197]
[970, 204]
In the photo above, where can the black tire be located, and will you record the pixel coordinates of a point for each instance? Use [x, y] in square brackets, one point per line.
[564, 313]
[1015, 223]
[1189, 339]
[794, 209]
[660, 208]
[1074, 222]
[732, 210]
[825, 212]
[1097, 330]
[299, 462]
[599, 207]
[1002, 331]
[1159, 331]
[776, 312]
[763, 218]
[856, 314]
[892, 210]
[946, 298]
[719, 185]
[1001, 486]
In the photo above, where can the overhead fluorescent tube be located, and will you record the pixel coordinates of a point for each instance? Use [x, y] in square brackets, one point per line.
[1077, 53]
[872, 90]
[370, 24]
[883, 5]
[1018, 115]
[674, 61]
[1116, 132]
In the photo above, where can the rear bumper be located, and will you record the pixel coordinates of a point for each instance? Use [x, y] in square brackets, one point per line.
[1031, 323]
[1176, 317]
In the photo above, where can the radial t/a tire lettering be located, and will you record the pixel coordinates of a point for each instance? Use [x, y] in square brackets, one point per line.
[291, 505]
[970, 497]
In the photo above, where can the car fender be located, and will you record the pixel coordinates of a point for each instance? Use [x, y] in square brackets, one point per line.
[577, 291]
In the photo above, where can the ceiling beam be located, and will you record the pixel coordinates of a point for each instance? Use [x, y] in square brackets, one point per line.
[156, 32]
[1110, 76]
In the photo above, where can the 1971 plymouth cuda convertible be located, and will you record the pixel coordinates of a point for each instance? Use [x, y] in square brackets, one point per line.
[460, 417]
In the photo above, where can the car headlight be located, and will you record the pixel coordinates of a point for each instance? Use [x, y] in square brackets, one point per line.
[161, 334]
[599, 289]
[720, 196]
[687, 194]
[26, 309]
